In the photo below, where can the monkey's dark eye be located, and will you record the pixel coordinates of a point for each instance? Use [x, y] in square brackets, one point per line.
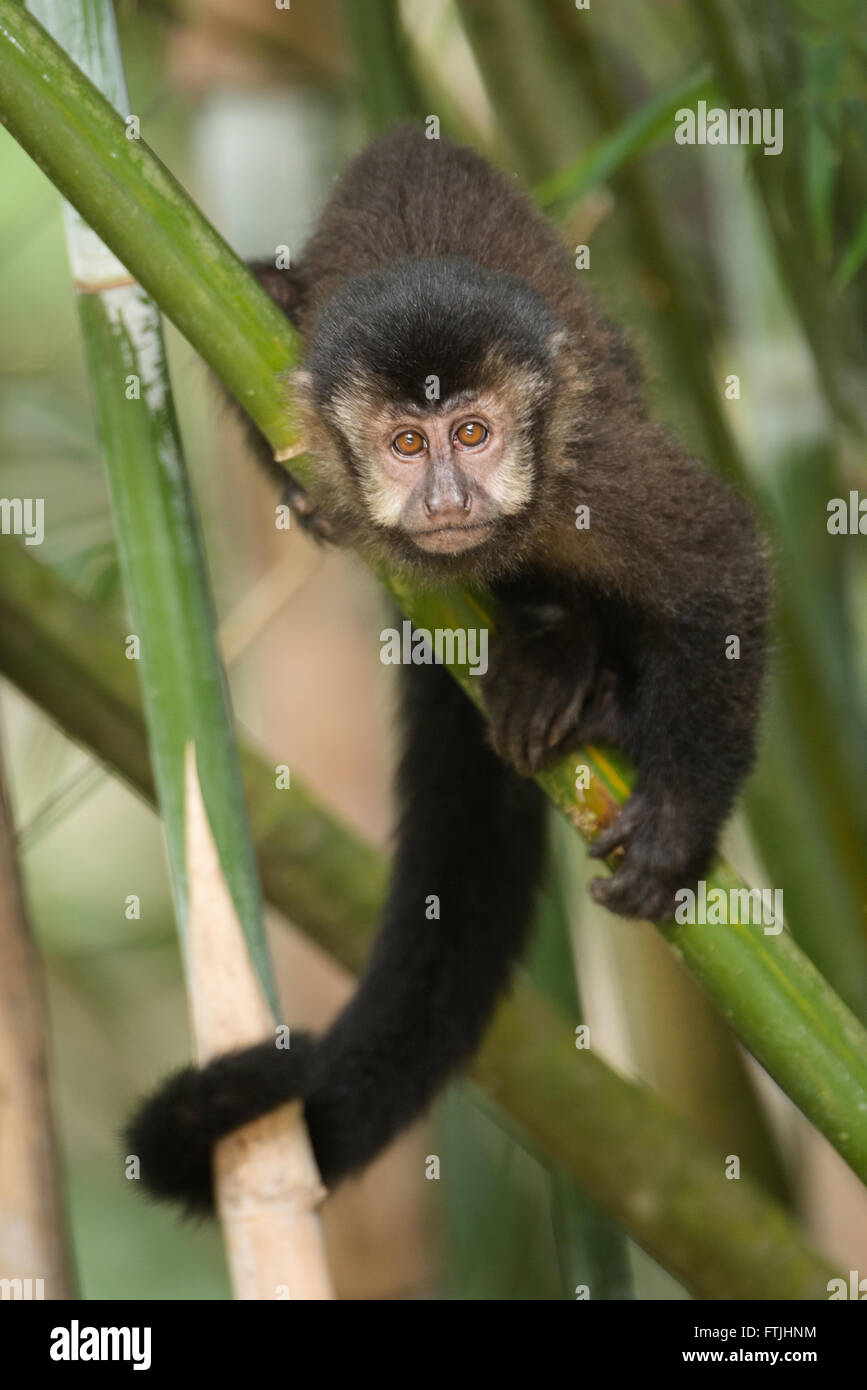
[409, 443]
[471, 434]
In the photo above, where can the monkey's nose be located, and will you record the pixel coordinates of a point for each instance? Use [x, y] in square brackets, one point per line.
[448, 509]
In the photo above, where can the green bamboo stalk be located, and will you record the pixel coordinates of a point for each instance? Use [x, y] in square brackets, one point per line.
[215, 887]
[663, 1185]
[774, 998]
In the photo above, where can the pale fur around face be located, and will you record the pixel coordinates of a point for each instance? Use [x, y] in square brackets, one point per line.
[359, 416]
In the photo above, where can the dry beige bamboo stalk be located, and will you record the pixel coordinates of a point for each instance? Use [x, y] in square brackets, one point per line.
[268, 1187]
[33, 1237]
[262, 602]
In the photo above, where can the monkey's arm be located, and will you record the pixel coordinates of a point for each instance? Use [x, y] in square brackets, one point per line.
[468, 857]
[547, 665]
[690, 728]
[669, 668]
[691, 566]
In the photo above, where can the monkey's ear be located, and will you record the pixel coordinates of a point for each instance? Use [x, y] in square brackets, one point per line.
[301, 386]
[558, 342]
[569, 367]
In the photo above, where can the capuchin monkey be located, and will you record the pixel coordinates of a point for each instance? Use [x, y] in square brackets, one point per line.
[462, 400]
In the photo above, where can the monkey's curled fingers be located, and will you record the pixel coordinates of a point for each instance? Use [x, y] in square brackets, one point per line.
[298, 500]
[662, 855]
[534, 701]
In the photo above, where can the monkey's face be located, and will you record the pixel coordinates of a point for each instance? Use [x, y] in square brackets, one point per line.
[443, 478]
[427, 391]
[437, 476]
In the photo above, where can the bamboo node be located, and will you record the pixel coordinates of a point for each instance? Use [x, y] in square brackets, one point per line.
[292, 452]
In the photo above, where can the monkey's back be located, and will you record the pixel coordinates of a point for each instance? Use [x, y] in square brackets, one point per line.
[406, 197]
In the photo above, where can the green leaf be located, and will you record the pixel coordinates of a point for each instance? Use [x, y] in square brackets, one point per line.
[854, 256]
[646, 127]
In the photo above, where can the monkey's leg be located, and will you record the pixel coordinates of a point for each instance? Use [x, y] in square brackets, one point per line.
[470, 844]
[692, 735]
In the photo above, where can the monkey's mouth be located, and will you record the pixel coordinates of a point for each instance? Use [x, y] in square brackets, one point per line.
[453, 539]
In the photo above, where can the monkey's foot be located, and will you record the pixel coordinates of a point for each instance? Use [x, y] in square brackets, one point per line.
[661, 857]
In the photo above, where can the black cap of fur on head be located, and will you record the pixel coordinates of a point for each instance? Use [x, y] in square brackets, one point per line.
[415, 320]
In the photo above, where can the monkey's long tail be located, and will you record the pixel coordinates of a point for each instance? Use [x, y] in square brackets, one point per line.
[469, 853]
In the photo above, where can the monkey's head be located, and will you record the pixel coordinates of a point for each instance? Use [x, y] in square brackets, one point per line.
[428, 389]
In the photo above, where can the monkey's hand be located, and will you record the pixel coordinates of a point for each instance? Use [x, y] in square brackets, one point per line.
[299, 502]
[535, 690]
[666, 848]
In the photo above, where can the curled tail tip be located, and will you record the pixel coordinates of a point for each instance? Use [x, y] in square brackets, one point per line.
[173, 1132]
[170, 1135]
